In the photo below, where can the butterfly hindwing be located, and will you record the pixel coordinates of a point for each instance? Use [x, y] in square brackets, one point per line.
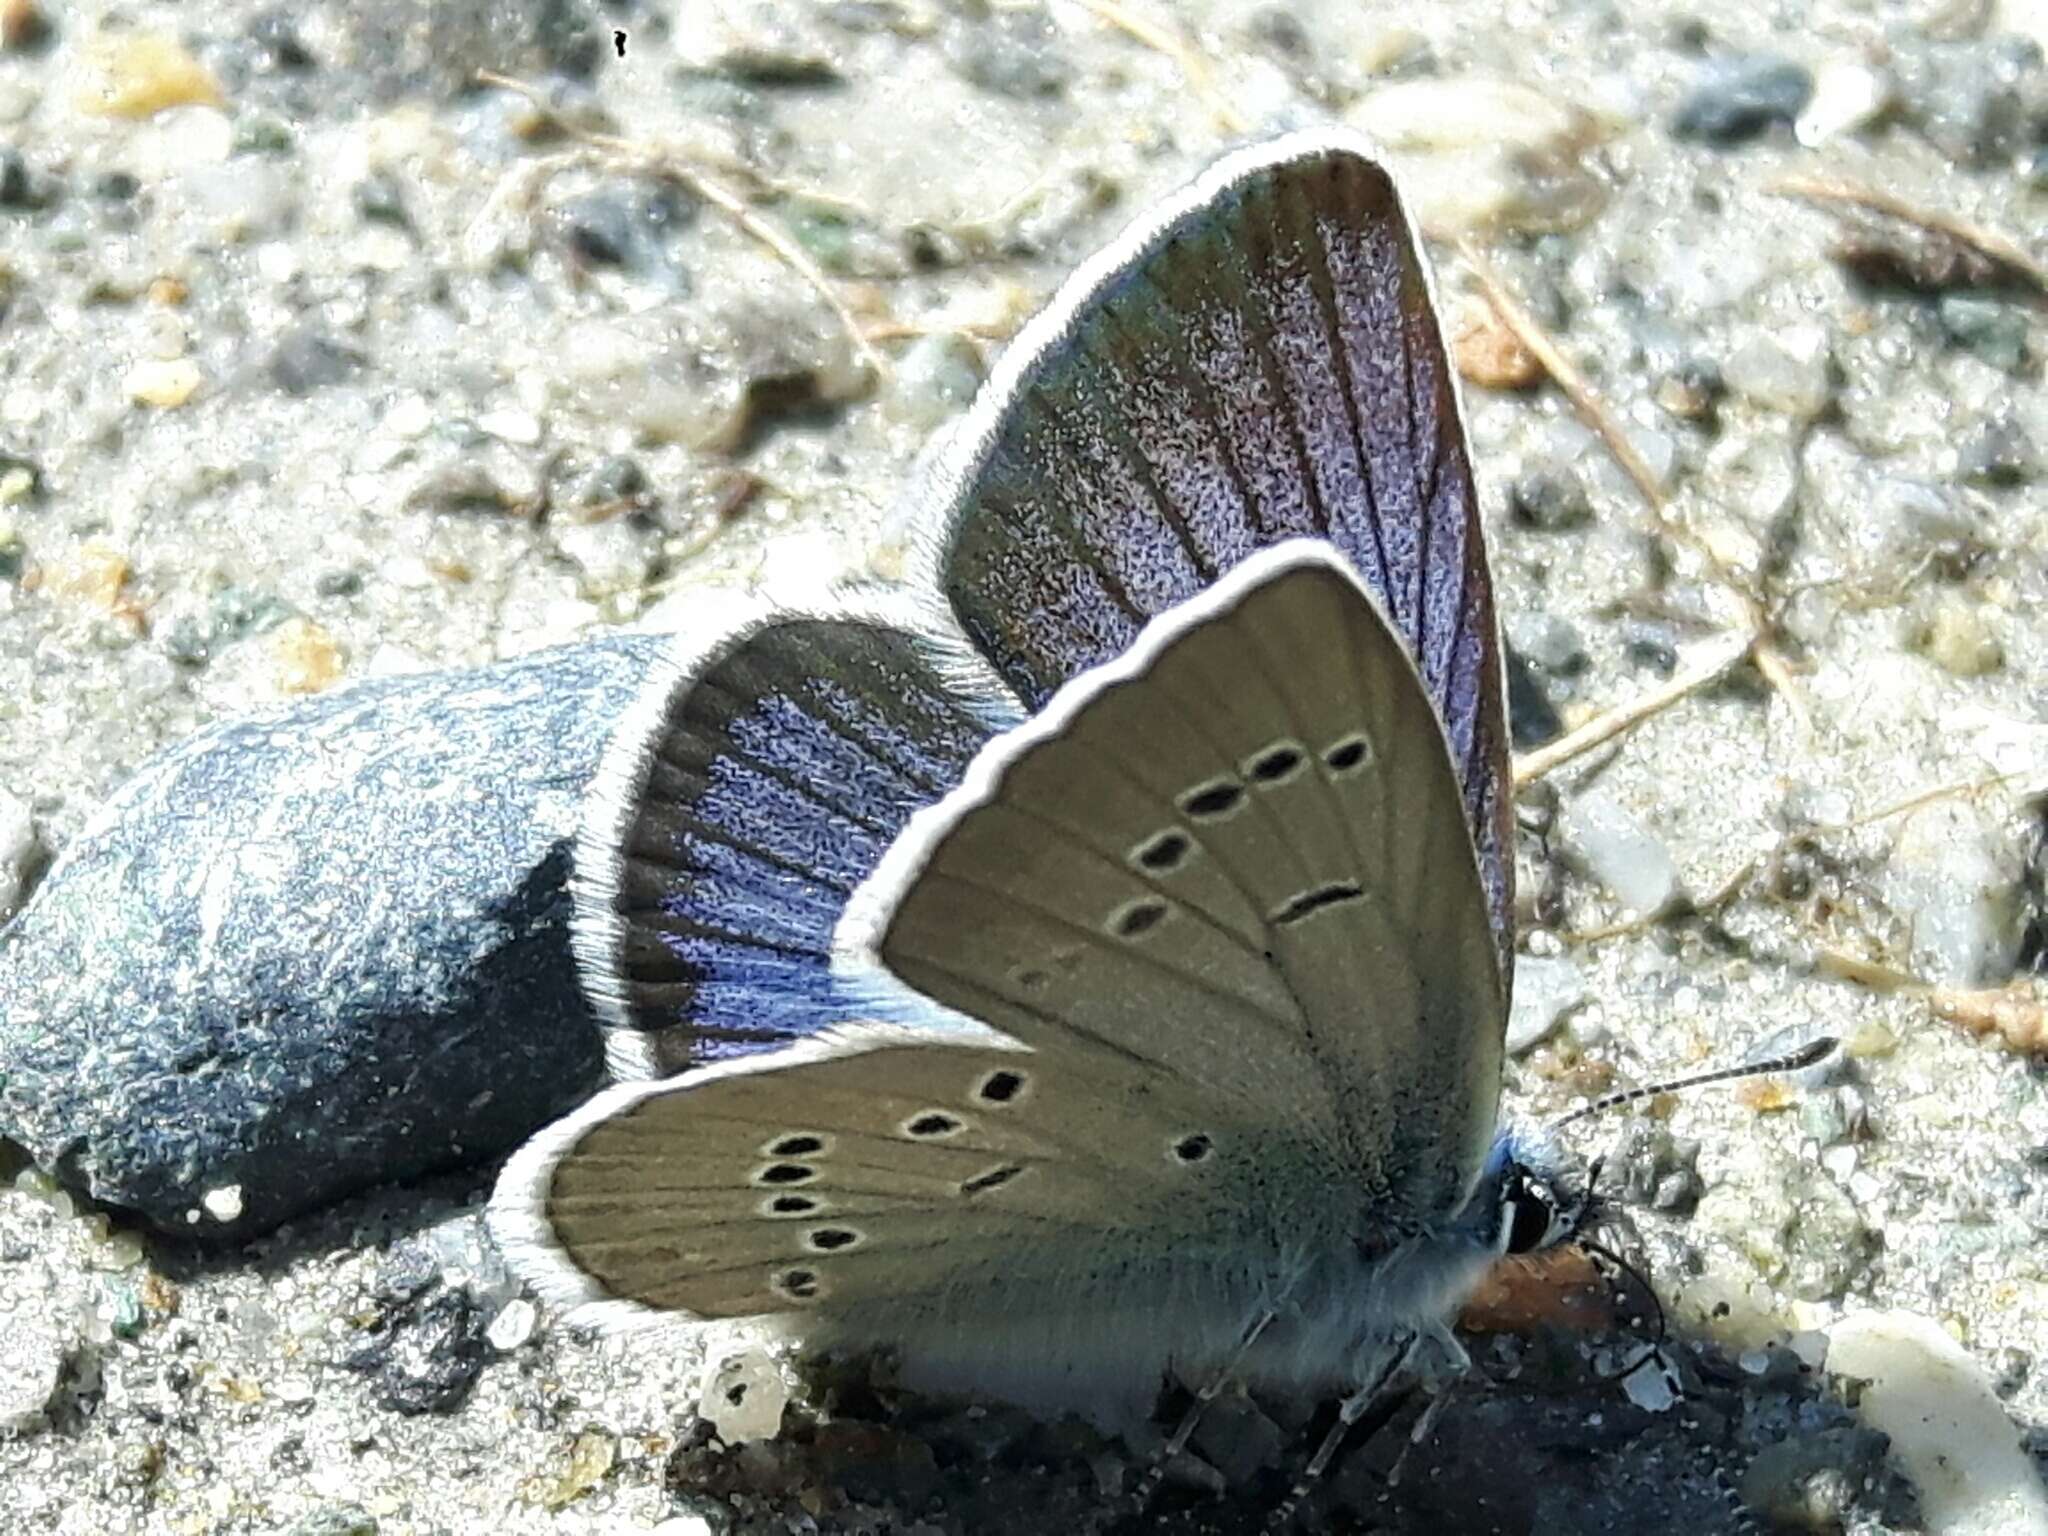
[1260, 360]
[1235, 855]
[742, 800]
[877, 1170]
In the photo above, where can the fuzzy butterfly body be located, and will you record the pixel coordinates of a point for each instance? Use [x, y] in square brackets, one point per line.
[1105, 946]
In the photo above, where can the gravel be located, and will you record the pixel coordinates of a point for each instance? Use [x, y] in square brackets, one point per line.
[322, 363]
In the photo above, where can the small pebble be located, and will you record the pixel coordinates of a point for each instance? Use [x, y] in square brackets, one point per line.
[1950, 1435]
[24, 26]
[307, 360]
[1550, 499]
[1489, 354]
[1786, 370]
[934, 380]
[224, 1203]
[513, 1325]
[138, 74]
[165, 383]
[1961, 636]
[1546, 989]
[744, 1395]
[1954, 878]
[1847, 95]
[2000, 456]
[1613, 846]
[33, 1349]
[1735, 100]
[1990, 328]
[1481, 152]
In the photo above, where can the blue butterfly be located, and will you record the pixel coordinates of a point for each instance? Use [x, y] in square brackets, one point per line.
[1092, 962]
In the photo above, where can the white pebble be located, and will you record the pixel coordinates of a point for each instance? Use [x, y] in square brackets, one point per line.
[743, 1397]
[1847, 94]
[1950, 1435]
[224, 1203]
[513, 1325]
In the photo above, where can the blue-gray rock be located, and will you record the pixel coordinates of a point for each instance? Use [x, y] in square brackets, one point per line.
[1737, 99]
[317, 949]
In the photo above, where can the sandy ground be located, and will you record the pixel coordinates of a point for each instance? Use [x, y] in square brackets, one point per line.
[318, 361]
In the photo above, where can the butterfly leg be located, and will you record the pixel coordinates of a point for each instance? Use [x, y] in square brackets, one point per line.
[1349, 1412]
[1148, 1485]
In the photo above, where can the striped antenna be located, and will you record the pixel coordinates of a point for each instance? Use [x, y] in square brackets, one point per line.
[1810, 1054]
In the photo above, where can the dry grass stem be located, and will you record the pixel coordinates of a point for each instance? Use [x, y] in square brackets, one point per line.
[2013, 1015]
[1595, 413]
[669, 163]
[1190, 63]
[2000, 249]
[1713, 660]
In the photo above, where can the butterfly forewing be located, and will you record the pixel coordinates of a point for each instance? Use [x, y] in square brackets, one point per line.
[748, 795]
[1260, 361]
[1236, 855]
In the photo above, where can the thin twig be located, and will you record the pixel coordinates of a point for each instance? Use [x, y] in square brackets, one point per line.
[2012, 1015]
[1998, 248]
[1717, 658]
[1190, 63]
[1595, 413]
[1732, 887]
[730, 203]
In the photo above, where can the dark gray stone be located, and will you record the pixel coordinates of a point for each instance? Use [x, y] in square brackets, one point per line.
[317, 949]
[306, 361]
[1734, 100]
[425, 1357]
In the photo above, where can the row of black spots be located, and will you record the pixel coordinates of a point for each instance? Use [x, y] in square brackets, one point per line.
[790, 1157]
[1306, 903]
[800, 1285]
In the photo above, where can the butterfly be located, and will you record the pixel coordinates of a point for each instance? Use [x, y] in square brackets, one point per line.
[1092, 959]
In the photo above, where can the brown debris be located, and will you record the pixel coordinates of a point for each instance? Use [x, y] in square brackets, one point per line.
[1488, 352]
[1894, 242]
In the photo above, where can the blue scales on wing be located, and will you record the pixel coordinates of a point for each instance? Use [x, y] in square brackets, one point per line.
[1260, 362]
[754, 787]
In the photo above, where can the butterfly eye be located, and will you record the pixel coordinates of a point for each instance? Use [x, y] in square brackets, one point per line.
[932, 1124]
[831, 1239]
[1193, 1149]
[785, 1206]
[1529, 1214]
[802, 1144]
[785, 1173]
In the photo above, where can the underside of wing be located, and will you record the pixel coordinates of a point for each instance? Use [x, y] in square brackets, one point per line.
[1235, 855]
[881, 1174]
[749, 792]
[1257, 361]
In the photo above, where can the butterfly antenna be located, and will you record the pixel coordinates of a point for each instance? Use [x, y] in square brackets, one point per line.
[1655, 1347]
[1810, 1054]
